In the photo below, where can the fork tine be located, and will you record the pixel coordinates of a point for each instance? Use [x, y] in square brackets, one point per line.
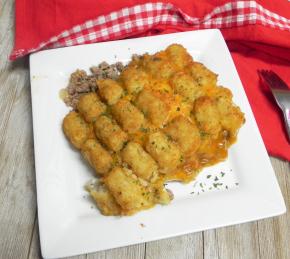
[278, 81]
[264, 75]
[273, 79]
[261, 73]
[267, 76]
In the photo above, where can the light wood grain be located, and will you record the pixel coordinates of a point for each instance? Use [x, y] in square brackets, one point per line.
[274, 233]
[129, 252]
[17, 181]
[6, 31]
[34, 250]
[240, 241]
[265, 239]
[186, 246]
[210, 245]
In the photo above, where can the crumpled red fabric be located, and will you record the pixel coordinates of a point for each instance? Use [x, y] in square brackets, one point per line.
[253, 46]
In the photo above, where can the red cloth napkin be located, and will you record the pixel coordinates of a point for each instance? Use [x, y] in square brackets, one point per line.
[257, 33]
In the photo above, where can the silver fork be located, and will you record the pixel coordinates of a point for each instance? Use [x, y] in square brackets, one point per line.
[281, 93]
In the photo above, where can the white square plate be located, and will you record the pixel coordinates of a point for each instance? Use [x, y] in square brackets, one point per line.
[69, 226]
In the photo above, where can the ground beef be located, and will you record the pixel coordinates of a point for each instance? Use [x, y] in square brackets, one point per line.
[80, 82]
[104, 70]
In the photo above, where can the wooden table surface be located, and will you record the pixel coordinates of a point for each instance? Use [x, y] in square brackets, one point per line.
[269, 238]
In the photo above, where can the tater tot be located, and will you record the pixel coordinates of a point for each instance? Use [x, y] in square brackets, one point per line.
[159, 66]
[90, 106]
[76, 129]
[98, 157]
[109, 133]
[185, 133]
[161, 86]
[142, 164]
[178, 55]
[165, 152]
[104, 199]
[231, 116]
[134, 79]
[129, 193]
[184, 85]
[207, 115]
[161, 195]
[130, 118]
[222, 92]
[154, 109]
[203, 76]
[232, 120]
[110, 90]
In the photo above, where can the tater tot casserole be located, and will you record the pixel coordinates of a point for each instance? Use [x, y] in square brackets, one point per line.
[162, 118]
